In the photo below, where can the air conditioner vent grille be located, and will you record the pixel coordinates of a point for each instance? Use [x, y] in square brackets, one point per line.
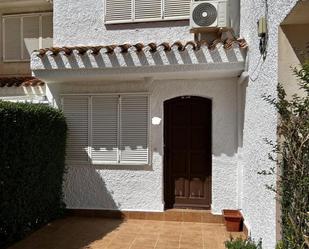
[205, 14]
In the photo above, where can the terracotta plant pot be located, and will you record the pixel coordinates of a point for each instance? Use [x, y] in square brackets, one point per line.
[233, 220]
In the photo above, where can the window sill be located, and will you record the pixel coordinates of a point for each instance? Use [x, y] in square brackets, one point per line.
[16, 61]
[148, 20]
[119, 164]
[113, 164]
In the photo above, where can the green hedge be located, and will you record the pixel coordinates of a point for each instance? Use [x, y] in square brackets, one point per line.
[294, 163]
[32, 167]
[291, 154]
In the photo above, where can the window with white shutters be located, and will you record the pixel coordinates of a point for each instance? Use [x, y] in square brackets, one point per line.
[30, 32]
[105, 129]
[47, 31]
[118, 10]
[114, 127]
[176, 8]
[76, 110]
[11, 40]
[30, 35]
[134, 129]
[145, 9]
[126, 11]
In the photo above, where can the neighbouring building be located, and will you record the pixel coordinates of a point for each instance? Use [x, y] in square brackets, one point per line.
[158, 116]
[25, 26]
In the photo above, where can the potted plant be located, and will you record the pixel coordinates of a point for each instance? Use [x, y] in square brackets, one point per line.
[233, 220]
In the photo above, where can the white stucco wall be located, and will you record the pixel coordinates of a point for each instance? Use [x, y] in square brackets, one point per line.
[141, 188]
[258, 203]
[83, 23]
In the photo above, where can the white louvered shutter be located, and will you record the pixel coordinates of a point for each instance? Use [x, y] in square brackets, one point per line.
[31, 34]
[134, 129]
[47, 31]
[176, 8]
[76, 112]
[104, 129]
[148, 9]
[118, 10]
[12, 38]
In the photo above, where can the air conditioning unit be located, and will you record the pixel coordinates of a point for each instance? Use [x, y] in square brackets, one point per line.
[209, 14]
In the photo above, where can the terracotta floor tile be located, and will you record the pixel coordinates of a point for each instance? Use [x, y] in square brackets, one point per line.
[122, 234]
[162, 246]
[150, 230]
[208, 217]
[172, 224]
[153, 222]
[118, 246]
[192, 247]
[99, 233]
[137, 215]
[173, 216]
[192, 236]
[155, 216]
[129, 232]
[149, 233]
[147, 236]
[211, 243]
[192, 243]
[141, 247]
[192, 225]
[169, 244]
[167, 231]
[146, 243]
[170, 237]
[192, 217]
[165, 247]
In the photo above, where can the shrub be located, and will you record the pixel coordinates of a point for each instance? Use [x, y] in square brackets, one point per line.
[292, 157]
[239, 243]
[32, 166]
[279, 245]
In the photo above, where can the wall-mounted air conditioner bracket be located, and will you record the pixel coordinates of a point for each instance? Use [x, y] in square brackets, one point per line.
[212, 34]
[209, 30]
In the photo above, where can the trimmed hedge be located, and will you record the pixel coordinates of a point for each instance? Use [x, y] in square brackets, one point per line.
[32, 167]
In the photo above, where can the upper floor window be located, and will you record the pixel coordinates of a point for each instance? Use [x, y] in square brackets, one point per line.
[23, 33]
[125, 11]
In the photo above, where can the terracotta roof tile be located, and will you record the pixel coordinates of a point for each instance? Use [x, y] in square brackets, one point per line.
[152, 47]
[20, 81]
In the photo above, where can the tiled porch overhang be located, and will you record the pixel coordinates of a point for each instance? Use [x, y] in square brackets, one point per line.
[221, 58]
[20, 82]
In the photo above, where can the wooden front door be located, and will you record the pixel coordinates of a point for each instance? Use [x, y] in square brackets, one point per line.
[187, 152]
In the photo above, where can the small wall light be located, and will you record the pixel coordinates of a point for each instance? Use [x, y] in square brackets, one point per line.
[263, 34]
[156, 120]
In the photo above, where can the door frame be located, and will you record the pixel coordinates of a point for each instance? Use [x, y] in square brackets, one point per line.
[168, 197]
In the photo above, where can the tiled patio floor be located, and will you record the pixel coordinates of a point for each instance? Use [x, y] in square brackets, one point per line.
[98, 233]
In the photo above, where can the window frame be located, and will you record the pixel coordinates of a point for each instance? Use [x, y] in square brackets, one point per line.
[21, 16]
[133, 20]
[89, 147]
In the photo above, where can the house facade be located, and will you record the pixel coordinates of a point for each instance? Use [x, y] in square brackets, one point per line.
[124, 97]
[160, 117]
[25, 26]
